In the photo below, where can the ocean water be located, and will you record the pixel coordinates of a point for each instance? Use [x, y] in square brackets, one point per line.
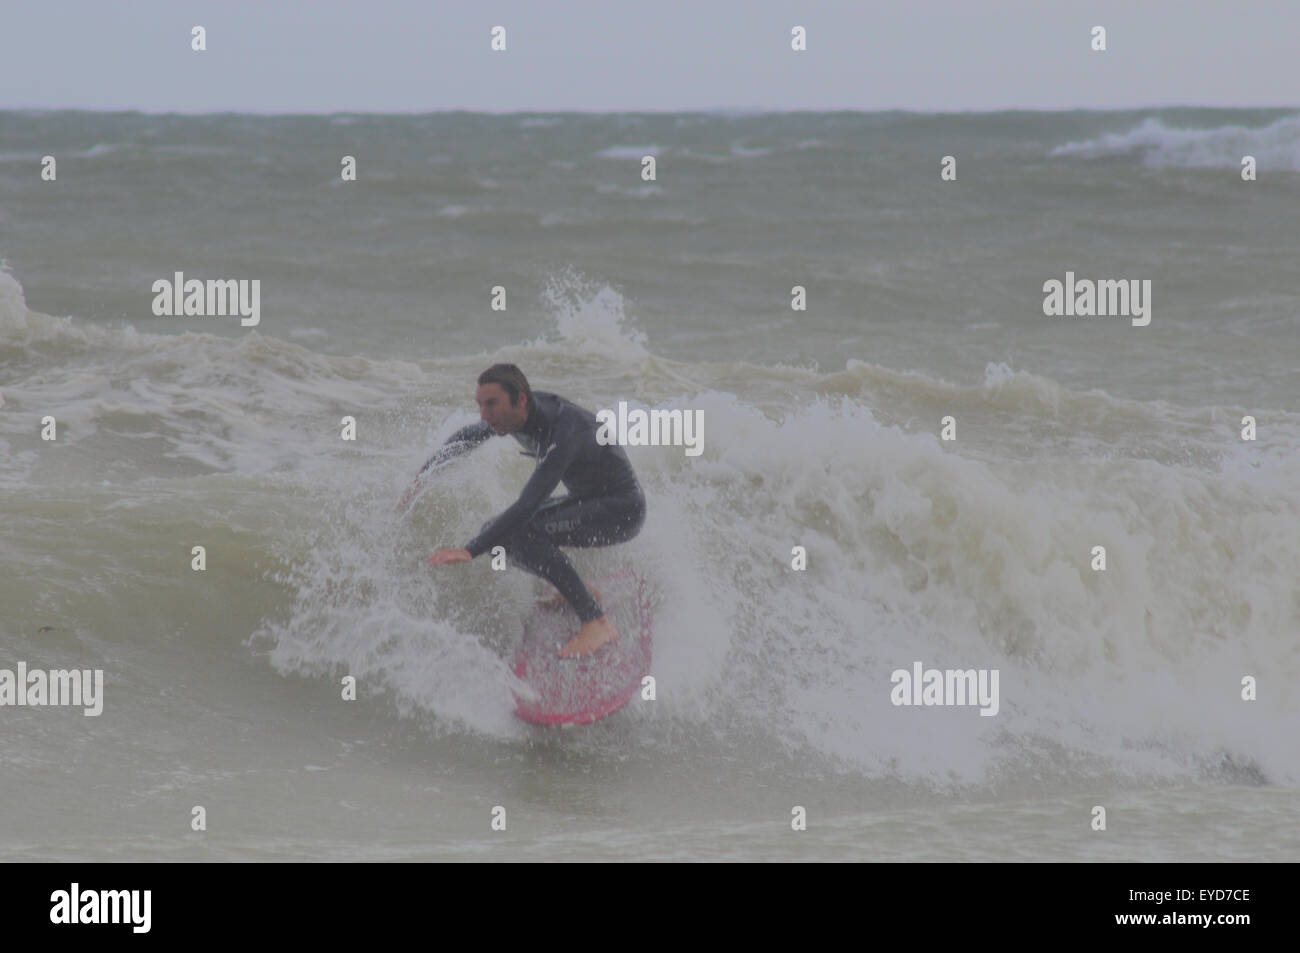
[1119, 688]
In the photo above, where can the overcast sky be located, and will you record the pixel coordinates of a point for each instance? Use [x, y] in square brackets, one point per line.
[645, 55]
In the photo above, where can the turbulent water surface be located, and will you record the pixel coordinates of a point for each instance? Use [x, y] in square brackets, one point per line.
[822, 429]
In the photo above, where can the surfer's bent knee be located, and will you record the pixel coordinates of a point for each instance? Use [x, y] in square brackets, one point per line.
[635, 519]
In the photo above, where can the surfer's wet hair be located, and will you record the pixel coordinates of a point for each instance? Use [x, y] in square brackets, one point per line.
[511, 379]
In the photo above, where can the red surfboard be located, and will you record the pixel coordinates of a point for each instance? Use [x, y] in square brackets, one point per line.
[578, 691]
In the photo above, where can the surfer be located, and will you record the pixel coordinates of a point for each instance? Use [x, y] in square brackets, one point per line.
[604, 504]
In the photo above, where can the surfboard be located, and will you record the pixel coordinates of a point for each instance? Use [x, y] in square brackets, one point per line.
[581, 690]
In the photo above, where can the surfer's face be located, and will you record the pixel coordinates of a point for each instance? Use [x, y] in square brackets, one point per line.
[494, 407]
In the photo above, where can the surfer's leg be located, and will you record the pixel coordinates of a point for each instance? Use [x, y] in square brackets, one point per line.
[601, 521]
[597, 521]
[534, 553]
[556, 600]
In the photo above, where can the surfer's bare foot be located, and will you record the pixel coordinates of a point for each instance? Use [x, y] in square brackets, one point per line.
[590, 637]
[558, 601]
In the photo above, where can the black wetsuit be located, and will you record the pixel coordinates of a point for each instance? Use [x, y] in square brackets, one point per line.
[604, 505]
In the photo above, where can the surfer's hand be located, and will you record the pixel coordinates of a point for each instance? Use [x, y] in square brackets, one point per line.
[444, 556]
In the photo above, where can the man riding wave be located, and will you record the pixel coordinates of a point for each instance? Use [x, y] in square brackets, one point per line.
[604, 505]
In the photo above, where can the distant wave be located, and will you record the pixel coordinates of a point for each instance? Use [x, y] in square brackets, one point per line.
[1276, 146]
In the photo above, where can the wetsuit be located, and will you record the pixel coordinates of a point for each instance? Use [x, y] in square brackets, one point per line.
[604, 505]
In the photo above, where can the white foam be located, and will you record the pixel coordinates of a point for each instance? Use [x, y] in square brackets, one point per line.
[629, 152]
[1275, 146]
[591, 318]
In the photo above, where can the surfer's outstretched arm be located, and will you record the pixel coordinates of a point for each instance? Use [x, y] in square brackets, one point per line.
[461, 442]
